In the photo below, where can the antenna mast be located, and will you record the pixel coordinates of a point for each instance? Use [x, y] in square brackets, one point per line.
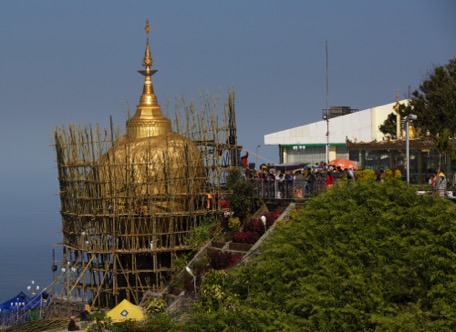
[326, 116]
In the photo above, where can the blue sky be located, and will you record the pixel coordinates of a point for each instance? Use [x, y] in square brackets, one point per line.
[65, 62]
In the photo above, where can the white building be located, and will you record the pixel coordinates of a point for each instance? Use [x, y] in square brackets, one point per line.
[307, 143]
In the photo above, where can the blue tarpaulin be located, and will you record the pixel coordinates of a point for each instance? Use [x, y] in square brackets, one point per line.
[21, 308]
[17, 302]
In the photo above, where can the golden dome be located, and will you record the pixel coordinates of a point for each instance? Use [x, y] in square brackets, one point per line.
[152, 160]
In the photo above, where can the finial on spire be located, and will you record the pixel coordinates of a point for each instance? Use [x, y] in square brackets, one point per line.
[147, 28]
[147, 62]
[397, 109]
[397, 105]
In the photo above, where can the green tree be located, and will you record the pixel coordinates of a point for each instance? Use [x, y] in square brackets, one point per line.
[435, 105]
[368, 257]
[442, 144]
[242, 199]
[389, 126]
[100, 322]
[435, 101]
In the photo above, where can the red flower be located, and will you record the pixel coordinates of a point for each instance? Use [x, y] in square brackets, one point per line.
[246, 237]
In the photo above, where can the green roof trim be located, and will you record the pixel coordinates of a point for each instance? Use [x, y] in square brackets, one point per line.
[310, 145]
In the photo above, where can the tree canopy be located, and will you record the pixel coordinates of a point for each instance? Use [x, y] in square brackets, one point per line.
[242, 199]
[371, 256]
[389, 126]
[434, 103]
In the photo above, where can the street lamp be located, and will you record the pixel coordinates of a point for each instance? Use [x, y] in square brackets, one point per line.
[256, 155]
[33, 289]
[263, 220]
[18, 305]
[326, 118]
[407, 143]
[187, 268]
[66, 276]
[298, 148]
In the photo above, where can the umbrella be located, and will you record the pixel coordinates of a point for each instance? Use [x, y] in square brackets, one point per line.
[344, 163]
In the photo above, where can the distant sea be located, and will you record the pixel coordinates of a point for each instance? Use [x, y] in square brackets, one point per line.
[30, 227]
[20, 263]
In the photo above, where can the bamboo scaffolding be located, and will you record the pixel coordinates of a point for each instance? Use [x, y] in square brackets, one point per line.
[123, 220]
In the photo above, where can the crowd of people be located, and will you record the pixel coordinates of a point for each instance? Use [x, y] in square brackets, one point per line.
[439, 183]
[300, 183]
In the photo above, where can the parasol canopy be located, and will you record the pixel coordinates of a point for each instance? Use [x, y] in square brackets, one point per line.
[344, 163]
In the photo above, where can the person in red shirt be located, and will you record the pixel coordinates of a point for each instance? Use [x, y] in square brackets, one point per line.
[329, 179]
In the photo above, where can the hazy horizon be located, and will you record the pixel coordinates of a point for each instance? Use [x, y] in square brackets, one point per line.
[76, 62]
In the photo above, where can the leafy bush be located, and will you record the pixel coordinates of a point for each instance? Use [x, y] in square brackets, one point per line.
[155, 306]
[254, 225]
[366, 175]
[393, 174]
[160, 322]
[201, 234]
[100, 322]
[126, 326]
[367, 257]
[221, 260]
[272, 216]
[234, 223]
[181, 261]
[242, 201]
[246, 237]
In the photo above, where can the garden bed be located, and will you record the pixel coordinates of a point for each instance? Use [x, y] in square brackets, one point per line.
[239, 246]
[218, 244]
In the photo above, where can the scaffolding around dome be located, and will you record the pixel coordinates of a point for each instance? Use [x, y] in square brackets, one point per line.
[127, 206]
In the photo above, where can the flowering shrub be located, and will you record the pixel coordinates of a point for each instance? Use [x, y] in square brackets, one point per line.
[233, 260]
[280, 223]
[155, 306]
[366, 175]
[224, 224]
[246, 237]
[391, 173]
[160, 322]
[221, 260]
[254, 225]
[271, 217]
[214, 230]
[224, 204]
[234, 223]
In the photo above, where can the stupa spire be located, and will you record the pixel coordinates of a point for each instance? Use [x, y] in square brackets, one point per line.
[148, 96]
[147, 57]
[148, 120]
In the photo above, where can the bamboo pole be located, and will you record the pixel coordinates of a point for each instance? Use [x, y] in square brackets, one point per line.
[106, 207]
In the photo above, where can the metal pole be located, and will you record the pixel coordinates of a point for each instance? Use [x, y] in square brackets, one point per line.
[327, 108]
[256, 156]
[194, 284]
[407, 149]
[327, 140]
[194, 277]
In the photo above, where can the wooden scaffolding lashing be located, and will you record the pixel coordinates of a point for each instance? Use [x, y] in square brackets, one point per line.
[123, 221]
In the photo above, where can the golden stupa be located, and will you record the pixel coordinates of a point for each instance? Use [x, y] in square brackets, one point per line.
[156, 161]
[129, 202]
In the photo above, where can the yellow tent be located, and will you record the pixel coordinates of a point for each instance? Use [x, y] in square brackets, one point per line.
[126, 310]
